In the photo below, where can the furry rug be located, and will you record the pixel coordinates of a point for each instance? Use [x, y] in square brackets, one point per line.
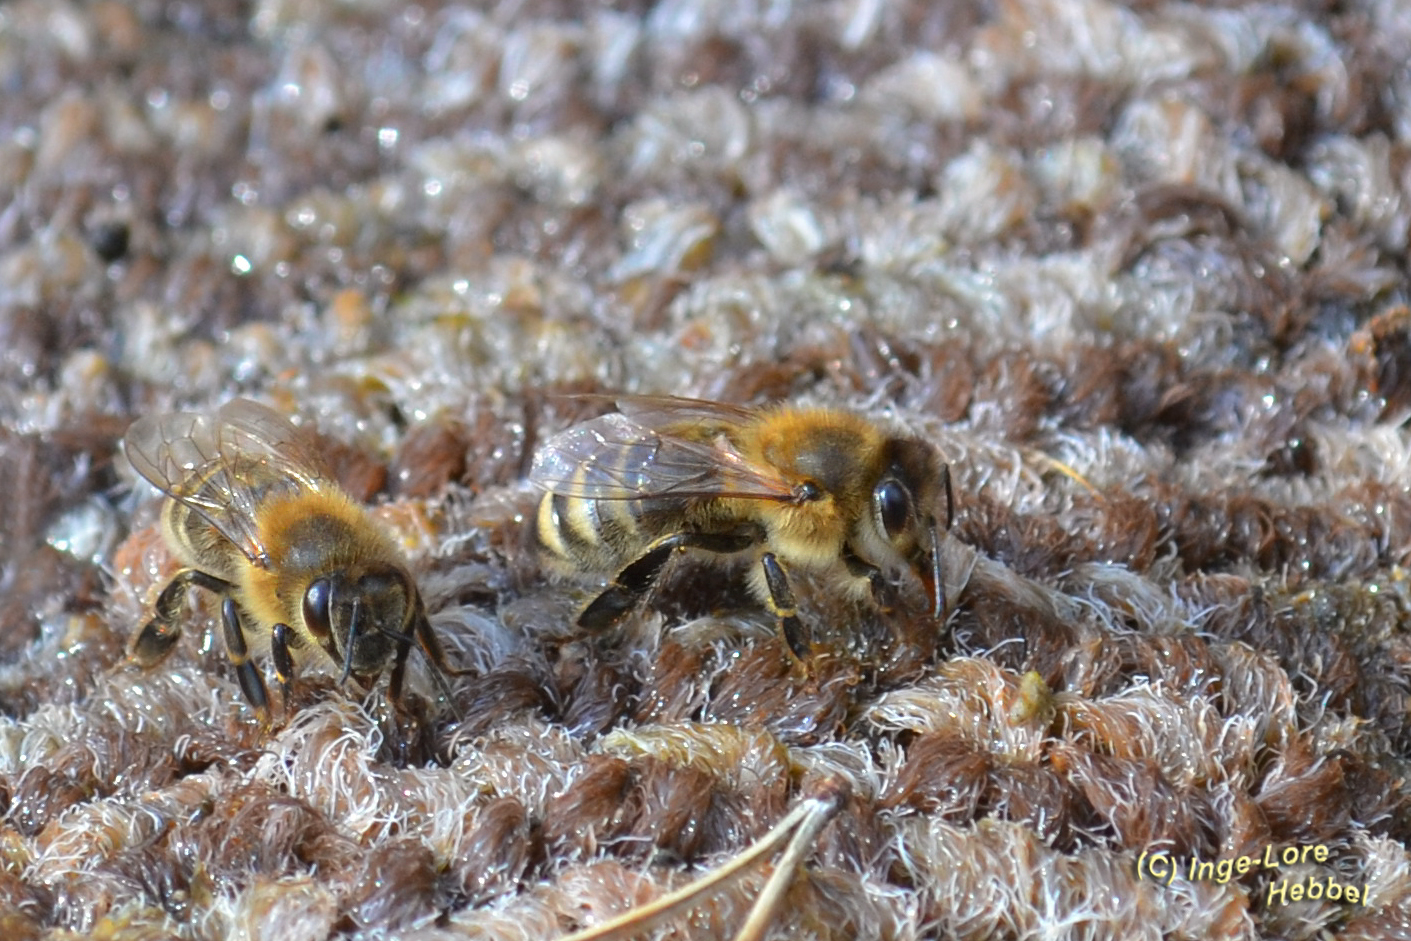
[1138, 273]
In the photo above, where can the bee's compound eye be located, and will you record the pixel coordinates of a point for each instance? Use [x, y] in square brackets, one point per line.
[317, 600]
[893, 506]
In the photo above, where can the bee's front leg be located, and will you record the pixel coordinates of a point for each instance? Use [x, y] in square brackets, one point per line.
[282, 640]
[638, 577]
[436, 656]
[893, 593]
[399, 670]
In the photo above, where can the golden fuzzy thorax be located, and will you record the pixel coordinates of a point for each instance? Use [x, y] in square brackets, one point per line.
[838, 452]
[308, 536]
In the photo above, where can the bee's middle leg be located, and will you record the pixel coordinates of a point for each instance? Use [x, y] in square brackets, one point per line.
[159, 635]
[251, 683]
[784, 607]
[637, 578]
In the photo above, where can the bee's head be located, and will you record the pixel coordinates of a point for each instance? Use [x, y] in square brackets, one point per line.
[361, 614]
[905, 503]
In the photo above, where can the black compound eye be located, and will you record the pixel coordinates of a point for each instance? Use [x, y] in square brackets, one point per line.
[317, 599]
[893, 506]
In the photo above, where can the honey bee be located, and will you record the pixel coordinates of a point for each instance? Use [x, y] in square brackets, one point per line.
[255, 517]
[810, 489]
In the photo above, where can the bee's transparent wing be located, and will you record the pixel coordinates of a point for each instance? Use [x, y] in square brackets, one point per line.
[224, 466]
[614, 457]
[253, 431]
[667, 411]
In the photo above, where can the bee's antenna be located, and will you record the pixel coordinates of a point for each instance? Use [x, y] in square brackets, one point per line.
[940, 606]
[352, 639]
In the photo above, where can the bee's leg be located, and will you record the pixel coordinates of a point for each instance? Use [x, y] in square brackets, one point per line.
[440, 668]
[638, 577]
[399, 670]
[950, 496]
[282, 639]
[157, 637]
[436, 657]
[251, 684]
[783, 606]
[883, 591]
[406, 726]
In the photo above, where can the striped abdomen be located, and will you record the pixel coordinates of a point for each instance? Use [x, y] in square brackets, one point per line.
[601, 535]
